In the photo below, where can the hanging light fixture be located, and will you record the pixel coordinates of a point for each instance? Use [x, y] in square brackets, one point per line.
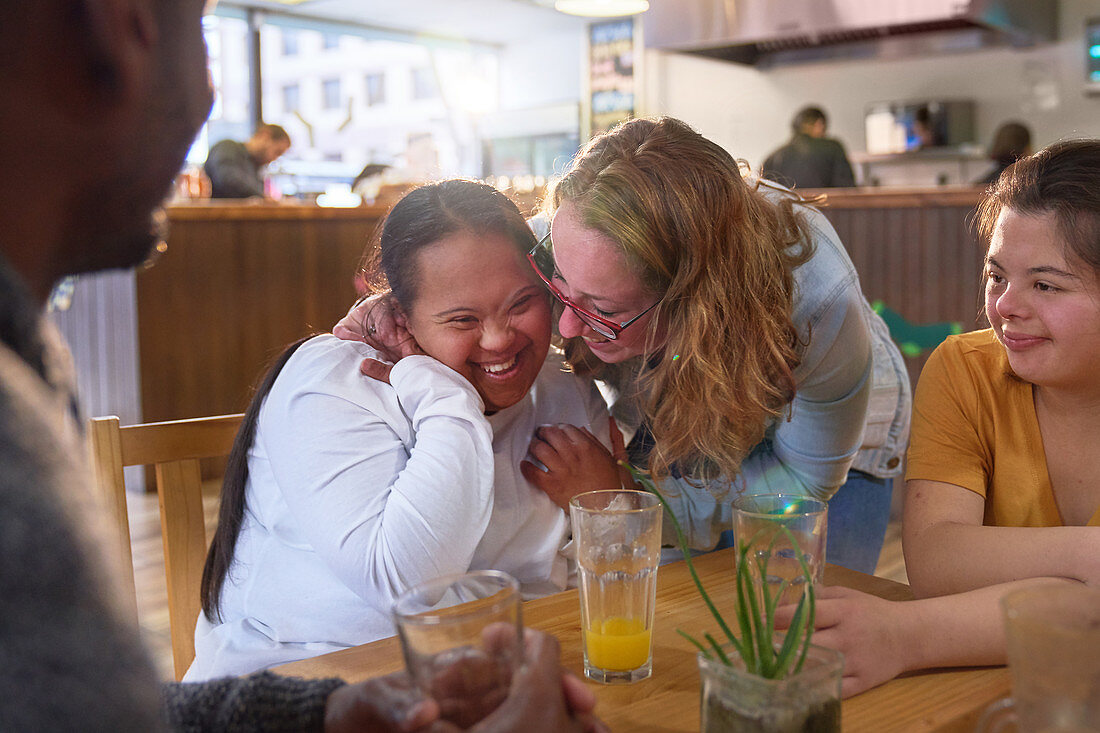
[601, 8]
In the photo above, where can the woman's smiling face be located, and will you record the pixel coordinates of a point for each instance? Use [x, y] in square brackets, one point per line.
[1044, 310]
[483, 312]
[592, 271]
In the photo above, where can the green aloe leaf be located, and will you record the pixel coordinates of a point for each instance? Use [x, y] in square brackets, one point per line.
[648, 485]
[791, 638]
[765, 652]
[744, 614]
[718, 649]
[695, 642]
[755, 615]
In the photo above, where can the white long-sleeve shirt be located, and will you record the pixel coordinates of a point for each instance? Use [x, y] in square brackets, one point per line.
[359, 489]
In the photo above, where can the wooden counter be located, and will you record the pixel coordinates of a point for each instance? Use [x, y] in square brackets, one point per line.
[236, 285]
[190, 336]
[914, 250]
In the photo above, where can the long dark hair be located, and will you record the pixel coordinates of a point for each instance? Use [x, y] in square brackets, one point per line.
[424, 216]
[231, 509]
[428, 214]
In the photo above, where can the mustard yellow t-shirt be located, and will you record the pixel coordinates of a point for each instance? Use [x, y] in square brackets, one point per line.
[974, 425]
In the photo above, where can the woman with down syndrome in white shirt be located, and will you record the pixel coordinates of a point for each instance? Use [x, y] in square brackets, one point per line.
[342, 491]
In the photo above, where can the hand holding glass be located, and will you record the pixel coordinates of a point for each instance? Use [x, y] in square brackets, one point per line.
[462, 637]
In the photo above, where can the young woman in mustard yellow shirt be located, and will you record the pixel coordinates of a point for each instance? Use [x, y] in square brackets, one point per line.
[1003, 476]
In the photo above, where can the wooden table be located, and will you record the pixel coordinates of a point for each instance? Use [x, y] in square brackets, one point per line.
[950, 700]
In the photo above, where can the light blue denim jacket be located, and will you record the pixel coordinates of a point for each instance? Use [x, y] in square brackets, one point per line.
[851, 408]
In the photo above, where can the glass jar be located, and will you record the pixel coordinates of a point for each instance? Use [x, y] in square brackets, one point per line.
[733, 700]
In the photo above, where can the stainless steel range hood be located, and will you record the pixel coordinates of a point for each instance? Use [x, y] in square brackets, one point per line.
[763, 31]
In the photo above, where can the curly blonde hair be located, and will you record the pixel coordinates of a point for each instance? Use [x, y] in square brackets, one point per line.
[720, 255]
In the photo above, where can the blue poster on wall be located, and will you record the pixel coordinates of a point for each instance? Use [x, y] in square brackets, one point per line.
[611, 73]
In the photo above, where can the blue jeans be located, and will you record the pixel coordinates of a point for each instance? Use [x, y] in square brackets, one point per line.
[858, 514]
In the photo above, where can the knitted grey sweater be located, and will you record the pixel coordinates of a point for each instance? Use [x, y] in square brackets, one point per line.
[69, 659]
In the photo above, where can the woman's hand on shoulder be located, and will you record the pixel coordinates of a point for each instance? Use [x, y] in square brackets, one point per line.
[380, 370]
[575, 462]
[377, 322]
[363, 319]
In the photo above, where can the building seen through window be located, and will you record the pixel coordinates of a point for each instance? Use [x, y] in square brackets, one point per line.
[290, 44]
[376, 88]
[352, 96]
[290, 97]
[230, 117]
[424, 86]
[330, 91]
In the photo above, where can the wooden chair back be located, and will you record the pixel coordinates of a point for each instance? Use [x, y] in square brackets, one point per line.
[173, 449]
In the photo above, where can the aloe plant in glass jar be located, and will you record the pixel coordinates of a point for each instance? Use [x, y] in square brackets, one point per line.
[758, 679]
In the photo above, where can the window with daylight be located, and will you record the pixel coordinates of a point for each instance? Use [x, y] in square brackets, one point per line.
[330, 93]
[376, 89]
[350, 97]
[290, 97]
[290, 43]
[424, 84]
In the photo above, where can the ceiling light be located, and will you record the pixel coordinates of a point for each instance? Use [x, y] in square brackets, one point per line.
[601, 8]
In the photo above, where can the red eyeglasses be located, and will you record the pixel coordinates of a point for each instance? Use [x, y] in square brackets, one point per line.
[541, 258]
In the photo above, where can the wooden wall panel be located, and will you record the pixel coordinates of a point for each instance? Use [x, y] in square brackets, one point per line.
[190, 336]
[914, 251]
[231, 292]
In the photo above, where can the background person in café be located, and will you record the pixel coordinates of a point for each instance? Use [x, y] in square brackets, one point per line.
[236, 169]
[347, 491]
[1002, 490]
[728, 320]
[809, 159]
[1011, 142]
[91, 142]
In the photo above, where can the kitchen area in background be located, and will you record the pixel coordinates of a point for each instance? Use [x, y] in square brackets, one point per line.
[739, 76]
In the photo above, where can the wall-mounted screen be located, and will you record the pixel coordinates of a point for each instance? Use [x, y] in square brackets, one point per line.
[1092, 54]
[899, 127]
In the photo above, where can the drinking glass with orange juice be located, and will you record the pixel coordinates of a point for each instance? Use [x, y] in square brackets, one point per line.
[617, 534]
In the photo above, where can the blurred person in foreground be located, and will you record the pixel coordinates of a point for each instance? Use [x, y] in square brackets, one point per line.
[809, 159]
[92, 141]
[236, 169]
[1001, 490]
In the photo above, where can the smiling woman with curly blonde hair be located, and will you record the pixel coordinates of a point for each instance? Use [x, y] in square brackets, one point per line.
[728, 320]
